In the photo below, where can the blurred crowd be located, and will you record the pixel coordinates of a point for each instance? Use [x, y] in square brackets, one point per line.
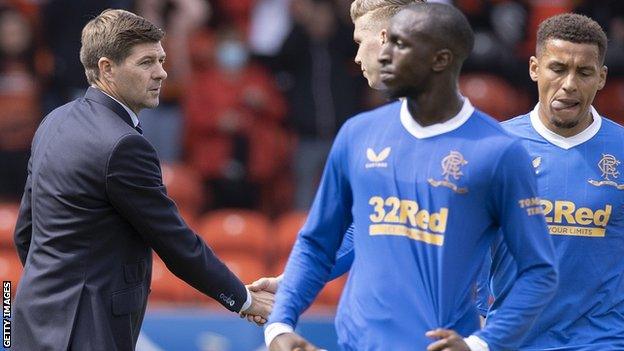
[257, 89]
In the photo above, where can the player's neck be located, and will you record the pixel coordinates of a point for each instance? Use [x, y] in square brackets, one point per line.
[566, 132]
[435, 106]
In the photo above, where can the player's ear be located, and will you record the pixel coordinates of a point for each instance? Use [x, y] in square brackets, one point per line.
[533, 68]
[603, 77]
[442, 60]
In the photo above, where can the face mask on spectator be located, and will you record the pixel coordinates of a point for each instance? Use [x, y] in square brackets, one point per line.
[232, 55]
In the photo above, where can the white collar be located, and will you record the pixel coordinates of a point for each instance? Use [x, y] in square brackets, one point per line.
[561, 141]
[133, 116]
[421, 132]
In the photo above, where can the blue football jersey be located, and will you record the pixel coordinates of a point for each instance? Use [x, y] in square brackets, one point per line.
[426, 203]
[582, 191]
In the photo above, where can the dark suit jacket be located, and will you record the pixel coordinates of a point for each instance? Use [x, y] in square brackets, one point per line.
[93, 208]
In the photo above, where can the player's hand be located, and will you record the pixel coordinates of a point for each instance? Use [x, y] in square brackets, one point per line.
[261, 306]
[291, 342]
[269, 284]
[448, 340]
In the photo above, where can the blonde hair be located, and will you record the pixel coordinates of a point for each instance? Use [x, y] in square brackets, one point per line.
[113, 34]
[379, 9]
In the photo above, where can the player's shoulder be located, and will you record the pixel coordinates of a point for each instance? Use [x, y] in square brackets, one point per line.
[491, 129]
[371, 116]
[611, 126]
[519, 125]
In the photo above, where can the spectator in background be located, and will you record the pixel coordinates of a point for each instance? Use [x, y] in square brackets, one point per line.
[234, 112]
[499, 32]
[163, 126]
[62, 23]
[610, 15]
[315, 65]
[19, 111]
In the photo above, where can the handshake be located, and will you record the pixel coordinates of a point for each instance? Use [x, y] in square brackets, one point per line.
[263, 296]
[262, 299]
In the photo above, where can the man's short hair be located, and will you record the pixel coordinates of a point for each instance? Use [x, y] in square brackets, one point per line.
[574, 28]
[448, 26]
[380, 9]
[112, 34]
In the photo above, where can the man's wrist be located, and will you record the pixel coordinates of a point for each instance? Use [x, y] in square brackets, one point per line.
[247, 303]
[273, 330]
[475, 343]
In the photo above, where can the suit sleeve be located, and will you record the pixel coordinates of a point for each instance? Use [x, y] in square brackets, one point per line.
[314, 252]
[23, 227]
[517, 209]
[134, 187]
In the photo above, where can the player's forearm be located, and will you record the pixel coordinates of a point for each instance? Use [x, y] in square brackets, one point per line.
[531, 292]
[306, 273]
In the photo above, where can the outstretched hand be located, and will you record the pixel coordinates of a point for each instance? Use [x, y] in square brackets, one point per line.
[448, 340]
[261, 306]
[269, 284]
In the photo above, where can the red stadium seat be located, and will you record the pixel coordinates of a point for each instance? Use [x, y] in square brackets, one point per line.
[247, 267]
[184, 186]
[287, 227]
[166, 287]
[493, 95]
[8, 218]
[10, 267]
[233, 230]
[610, 100]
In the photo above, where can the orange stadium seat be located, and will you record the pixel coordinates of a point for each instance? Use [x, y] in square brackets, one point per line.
[610, 100]
[184, 186]
[493, 95]
[287, 227]
[246, 266]
[235, 230]
[10, 267]
[166, 287]
[8, 218]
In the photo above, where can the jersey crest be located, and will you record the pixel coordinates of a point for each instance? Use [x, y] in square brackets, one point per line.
[608, 166]
[451, 171]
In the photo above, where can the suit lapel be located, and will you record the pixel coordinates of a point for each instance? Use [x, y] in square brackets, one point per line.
[98, 96]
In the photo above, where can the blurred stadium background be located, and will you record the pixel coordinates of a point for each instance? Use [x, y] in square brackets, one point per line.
[256, 91]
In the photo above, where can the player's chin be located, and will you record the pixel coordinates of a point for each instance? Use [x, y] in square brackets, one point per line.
[376, 83]
[394, 92]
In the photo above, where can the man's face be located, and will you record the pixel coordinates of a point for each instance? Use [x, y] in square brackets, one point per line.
[568, 75]
[137, 79]
[368, 35]
[407, 55]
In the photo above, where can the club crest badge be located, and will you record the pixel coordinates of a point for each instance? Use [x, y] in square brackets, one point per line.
[608, 166]
[451, 171]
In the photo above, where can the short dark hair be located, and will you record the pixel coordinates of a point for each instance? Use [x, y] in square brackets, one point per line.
[449, 27]
[112, 34]
[574, 28]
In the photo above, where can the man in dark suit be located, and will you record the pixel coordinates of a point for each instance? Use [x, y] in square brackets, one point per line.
[95, 206]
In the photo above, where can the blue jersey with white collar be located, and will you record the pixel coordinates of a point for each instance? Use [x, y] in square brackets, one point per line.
[581, 183]
[426, 204]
